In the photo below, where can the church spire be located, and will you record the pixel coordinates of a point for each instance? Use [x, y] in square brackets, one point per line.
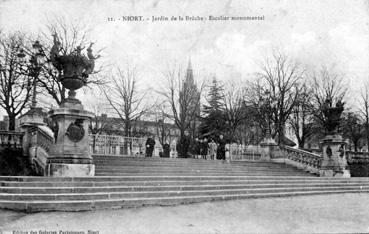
[189, 73]
[189, 67]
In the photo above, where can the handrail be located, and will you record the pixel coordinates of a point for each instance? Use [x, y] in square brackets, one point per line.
[302, 156]
[40, 138]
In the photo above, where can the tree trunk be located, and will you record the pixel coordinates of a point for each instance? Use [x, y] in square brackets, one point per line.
[367, 133]
[301, 143]
[355, 146]
[94, 144]
[12, 119]
[181, 148]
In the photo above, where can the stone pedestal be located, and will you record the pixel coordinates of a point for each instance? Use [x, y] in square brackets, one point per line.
[334, 163]
[70, 155]
[268, 147]
[32, 118]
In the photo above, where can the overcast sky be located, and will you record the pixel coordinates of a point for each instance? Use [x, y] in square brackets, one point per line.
[315, 32]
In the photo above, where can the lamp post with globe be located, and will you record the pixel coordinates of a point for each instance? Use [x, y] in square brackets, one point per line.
[31, 63]
[268, 145]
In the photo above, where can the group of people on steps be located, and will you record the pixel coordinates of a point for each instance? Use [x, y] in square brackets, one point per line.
[202, 148]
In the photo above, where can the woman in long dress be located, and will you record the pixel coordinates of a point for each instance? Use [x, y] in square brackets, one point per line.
[213, 149]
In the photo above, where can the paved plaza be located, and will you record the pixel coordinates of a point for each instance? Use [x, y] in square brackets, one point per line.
[308, 214]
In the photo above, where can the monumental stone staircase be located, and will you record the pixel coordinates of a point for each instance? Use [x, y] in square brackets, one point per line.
[123, 182]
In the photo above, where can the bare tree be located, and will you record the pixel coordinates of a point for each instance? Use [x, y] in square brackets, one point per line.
[281, 76]
[328, 85]
[253, 100]
[183, 98]
[100, 121]
[124, 96]
[163, 127]
[301, 119]
[234, 107]
[352, 128]
[364, 110]
[15, 85]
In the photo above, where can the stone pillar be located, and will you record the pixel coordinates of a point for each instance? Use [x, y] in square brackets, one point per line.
[70, 155]
[268, 146]
[32, 118]
[334, 162]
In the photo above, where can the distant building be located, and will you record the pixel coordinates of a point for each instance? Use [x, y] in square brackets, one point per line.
[4, 124]
[140, 128]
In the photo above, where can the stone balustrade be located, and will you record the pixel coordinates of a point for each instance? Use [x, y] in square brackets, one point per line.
[357, 157]
[241, 153]
[122, 146]
[302, 159]
[41, 139]
[10, 139]
[39, 144]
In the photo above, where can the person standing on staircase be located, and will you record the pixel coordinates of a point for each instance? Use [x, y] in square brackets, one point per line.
[221, 147]
[204, 148]
[213, 149]
[150, 143]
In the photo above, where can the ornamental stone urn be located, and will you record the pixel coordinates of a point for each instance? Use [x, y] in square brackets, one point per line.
[70, 155]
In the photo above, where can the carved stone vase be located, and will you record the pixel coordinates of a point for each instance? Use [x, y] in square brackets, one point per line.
[70, 155]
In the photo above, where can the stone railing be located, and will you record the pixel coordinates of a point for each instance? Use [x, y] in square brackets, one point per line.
[302, 159]
[357, 157]
[10, 139]
[42, 139]
[241, 153]
[39, 144]
[114, 145]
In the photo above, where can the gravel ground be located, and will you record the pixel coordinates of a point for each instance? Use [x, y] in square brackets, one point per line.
[319, 214]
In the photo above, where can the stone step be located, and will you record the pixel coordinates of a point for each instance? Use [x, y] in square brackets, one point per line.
[176, 163]
[157, 167]
[170, 178]
[125, 167]
[75, 205]
[176, 160]
[197, 172]
[225, 166]
[132, 161]
[166, 193]
[133, 182]
[157, 159]
[103, 173]
[36, 191]
[116, 166]
[274, 181]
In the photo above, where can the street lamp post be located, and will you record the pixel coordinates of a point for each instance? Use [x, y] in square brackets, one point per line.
[268, 144]
[32, 61]
[267, 105]
[34, 67]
